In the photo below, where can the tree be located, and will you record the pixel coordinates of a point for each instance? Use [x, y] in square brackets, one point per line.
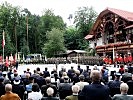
[84, 19]
[7, 23]
[71, 37]
[49, 21]
[55, 43]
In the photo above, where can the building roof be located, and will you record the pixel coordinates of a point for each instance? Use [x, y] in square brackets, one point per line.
[77, 51]
[89, 36]
[130, 26]
[124, 14]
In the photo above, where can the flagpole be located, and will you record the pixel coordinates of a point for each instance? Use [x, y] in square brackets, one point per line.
[113, 55]
[3, 45]
[3, 54]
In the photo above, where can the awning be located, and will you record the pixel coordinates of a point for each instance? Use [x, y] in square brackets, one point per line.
[89, 37]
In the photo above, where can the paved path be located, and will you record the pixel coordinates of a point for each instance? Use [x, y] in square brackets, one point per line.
[50, 67]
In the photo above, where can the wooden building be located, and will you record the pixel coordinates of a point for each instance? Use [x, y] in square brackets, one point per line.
[112, 32]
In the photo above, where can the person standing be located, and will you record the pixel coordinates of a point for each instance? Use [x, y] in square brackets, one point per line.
[130, 59]
[96, 90]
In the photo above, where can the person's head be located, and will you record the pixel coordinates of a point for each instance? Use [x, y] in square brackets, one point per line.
[15, 74]
[4, 74]
[126, 70]
[35, 87]
[28, 69]
[87, 67]
[78, 66]
[95, 67]
[31, 79]
[71, 67]
[117, 76]
[66, 78]
[77, 72]
[38, 69]
[8, 87]
[64, 74]
[124, 88]
[27, 75]
[50, 91]
[121, 66]
[130, 64]
[95, 76]
[48, 80]
[75, 89]
[46, 69]
[10, 70]
[35, 71]
[81, 77]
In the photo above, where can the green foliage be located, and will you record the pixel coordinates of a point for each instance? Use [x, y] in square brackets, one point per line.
[47, 22]
[70, 37]
[84, 19]
[55, 43]
[28, 33]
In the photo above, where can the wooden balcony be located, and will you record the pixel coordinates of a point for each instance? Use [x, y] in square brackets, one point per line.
[119, 46]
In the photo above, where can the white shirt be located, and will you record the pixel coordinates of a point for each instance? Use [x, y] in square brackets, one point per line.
[82, 84]
[35, 95]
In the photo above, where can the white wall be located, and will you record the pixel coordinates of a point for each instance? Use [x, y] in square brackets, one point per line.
[99, 42]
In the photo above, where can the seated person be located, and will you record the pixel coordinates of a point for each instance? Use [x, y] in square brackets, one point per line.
[123, 96]
[74, 96]
[50, 92]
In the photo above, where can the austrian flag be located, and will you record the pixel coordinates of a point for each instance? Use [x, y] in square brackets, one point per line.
[3, 41]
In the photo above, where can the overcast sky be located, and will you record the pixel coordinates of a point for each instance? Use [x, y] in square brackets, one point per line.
[66, 7]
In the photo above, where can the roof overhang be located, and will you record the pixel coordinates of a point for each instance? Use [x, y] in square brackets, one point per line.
[130, 26]
[89, 37]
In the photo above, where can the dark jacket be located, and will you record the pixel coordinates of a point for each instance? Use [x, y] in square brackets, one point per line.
[94, 91]
[65, 90]
[114, 87]
[122, 97]
[2, 89]
[130, 84]
[40, 81]
[18, 89]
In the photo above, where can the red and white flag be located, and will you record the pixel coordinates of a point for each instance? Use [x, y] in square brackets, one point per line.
[3, 41]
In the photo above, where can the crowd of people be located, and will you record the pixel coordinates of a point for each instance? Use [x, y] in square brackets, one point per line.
[119, 59]
[74, 84]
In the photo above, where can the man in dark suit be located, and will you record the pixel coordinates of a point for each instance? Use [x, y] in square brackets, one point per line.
[123, 96]
[65, 88]
[2, 86]
[114, 85]
[126, 76]
[130, 84]
[96, 90]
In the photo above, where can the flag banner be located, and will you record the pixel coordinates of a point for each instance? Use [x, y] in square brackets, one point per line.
[113, 54]
[3, 41]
